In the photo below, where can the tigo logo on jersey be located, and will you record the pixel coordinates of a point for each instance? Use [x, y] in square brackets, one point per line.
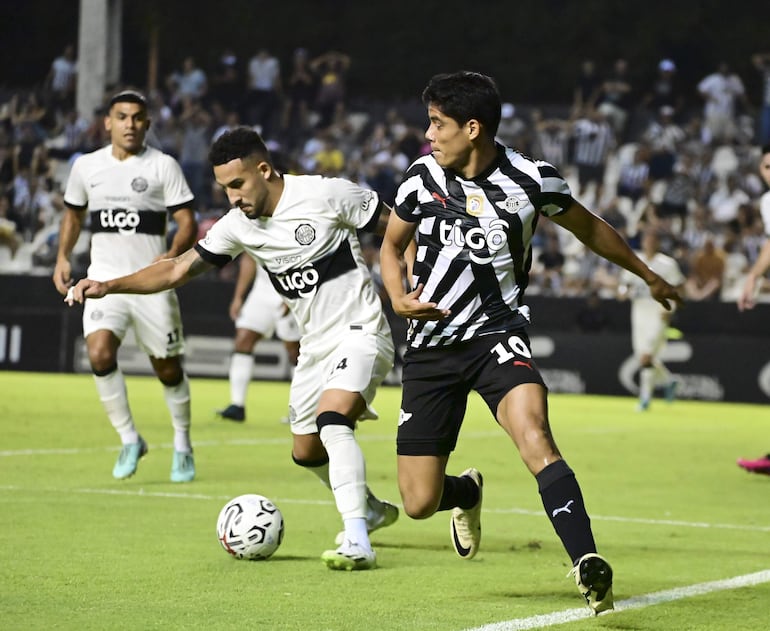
[124, 220]
[474, 206]
[476, 239]
[298, 282]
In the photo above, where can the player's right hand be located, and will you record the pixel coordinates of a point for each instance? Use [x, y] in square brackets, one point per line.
[747, 299]
[409, 306]
[62, 276]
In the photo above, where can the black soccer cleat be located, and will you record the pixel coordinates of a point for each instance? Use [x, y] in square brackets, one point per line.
[233, 413]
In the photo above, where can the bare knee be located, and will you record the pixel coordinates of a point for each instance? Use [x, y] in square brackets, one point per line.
[169, 370]
[308, 451]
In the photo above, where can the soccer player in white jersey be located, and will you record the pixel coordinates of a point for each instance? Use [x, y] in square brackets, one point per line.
[472, 205]
[124, 194]
[650, 321]
[751, 286]
[302, 231]
[258, 311]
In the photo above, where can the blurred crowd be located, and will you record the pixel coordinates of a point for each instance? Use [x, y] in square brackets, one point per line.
[638, 148]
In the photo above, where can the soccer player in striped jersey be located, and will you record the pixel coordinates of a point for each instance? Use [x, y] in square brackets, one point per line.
[302, 230]
[472, 206]
[128, 190]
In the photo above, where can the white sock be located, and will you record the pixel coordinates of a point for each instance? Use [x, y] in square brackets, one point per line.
[114, 398]
[347, 475]
[178, 402]
[241, 368]
[646, 379]
[356, 532]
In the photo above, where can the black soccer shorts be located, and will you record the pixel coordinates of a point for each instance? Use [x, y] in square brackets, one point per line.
[437, 382]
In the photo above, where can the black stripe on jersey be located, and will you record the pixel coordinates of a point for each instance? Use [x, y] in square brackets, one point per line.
[128, 221]
[371, 225]
[301, 282]
[218, 260]
[405, 210]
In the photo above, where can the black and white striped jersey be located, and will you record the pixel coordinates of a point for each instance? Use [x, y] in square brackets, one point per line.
[474, 241]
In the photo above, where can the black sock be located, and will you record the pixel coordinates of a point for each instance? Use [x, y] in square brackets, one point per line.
[563, 503]
[459, 491]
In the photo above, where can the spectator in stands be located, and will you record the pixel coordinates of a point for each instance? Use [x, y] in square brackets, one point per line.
[300, 97]
[190, 83]
[9, 229]
[726, 199]
[60, 83]
[613, 99]
[226, 85]
[594, 140]
[586, 88]
[513, 131]
[665, 139]
[264, 93]
[331, 69]
[550, 138]
[195, 122]
[664, 91]
[722, 91]
[707, 268]
[761, 62]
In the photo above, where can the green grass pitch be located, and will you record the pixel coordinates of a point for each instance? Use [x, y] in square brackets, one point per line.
[79, 550]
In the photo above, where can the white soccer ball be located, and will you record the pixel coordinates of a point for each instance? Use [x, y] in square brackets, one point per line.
[250, 527]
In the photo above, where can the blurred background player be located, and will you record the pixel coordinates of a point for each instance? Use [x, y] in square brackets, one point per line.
[752, 285]
[256, 316]
[650, 320]
[128, 190]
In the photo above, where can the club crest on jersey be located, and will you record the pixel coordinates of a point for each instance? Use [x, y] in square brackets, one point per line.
[367, 200]
[474, 206]
[97, 315]
[511, 204]
[305, 234]
[139, 185]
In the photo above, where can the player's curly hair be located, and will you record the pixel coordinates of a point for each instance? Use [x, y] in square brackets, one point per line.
[465, 95]
[240, 142]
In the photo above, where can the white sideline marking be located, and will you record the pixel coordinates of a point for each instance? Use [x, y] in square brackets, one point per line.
[637, 602]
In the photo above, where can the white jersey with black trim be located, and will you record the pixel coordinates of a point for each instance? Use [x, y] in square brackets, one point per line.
[474, 238]
[310, 250]
[127, 202]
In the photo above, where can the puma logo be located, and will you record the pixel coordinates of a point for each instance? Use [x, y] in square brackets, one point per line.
[438, 197]
[517, 362]
[563, 509]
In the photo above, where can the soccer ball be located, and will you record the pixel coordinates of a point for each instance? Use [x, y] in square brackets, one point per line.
[250, 527]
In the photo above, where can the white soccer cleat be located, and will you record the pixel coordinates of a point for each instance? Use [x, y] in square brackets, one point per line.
[350, 556]
[465, 526]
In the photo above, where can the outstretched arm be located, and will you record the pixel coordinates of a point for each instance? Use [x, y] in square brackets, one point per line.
[165, 274]
[603, 239]
[246, 275]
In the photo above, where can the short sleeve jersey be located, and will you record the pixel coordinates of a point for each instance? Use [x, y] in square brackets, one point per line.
[474, 241]
[128, 203]
[310, 250]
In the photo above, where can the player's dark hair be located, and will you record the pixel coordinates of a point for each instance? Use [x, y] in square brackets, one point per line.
[765, 149]
[238, 143]
[465, 95]
[129, 96]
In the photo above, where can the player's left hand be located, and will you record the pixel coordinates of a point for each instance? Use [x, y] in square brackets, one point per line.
[665, 294]
[85, 288]
[409, 306]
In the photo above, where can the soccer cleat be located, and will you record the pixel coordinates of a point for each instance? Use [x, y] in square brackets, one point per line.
[670, 389]
[643, 405]
[465, 525]
[593, 576]
[381, 514]
[128, 459]
[233, 413]
[350, 556]
[760, 465]
[182, 467]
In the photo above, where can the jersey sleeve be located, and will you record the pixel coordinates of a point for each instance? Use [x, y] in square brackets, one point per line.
[176, 191]
[407, 205]
[764, 210]
[76, 193]
[555, 195]
[357, 205]
[220, 244]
